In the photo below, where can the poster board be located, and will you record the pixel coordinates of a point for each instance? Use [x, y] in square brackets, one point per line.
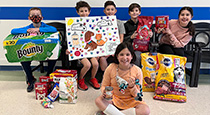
[91, 36]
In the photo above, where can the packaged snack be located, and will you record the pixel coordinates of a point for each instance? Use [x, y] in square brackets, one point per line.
[40, 90]
[141, 42]
[170, 81]
[46, 103]
[68, 90]
[149, 61]
[44, 79]
[56, 75]
[161, 22]
[55, 92]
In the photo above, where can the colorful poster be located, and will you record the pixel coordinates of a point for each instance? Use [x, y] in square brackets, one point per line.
[28, 47]
[91, 36]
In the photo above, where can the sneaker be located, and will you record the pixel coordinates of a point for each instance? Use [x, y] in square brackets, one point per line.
[82, 85]
[31, 85]
[100, 113]
[94, 83]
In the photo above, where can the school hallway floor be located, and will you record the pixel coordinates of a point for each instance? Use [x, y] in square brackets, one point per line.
[15, 100]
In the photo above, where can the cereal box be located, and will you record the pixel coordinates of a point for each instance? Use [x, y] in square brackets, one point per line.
[40, 90]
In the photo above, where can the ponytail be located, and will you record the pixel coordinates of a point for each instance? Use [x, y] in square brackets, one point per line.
[191, 28]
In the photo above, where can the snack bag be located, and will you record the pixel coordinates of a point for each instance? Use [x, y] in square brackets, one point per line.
[161, 22]
[149, 61]
[55, 92]
[142, 39]
[170, 81]
[68, 90]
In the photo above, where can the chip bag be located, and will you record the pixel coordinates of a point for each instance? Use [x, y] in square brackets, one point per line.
[68, 90]
[170, 80]
[142, 39]
[149, 61]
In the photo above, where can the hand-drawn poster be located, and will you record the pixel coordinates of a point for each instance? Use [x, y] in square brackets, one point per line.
[91, 36]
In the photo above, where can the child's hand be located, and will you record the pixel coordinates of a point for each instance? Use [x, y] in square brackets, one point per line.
[67, 52]
[150, 33]
[33, 30]
[133, 36]
[131, 83]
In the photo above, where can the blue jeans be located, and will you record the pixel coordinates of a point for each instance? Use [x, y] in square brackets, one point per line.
[28, 71]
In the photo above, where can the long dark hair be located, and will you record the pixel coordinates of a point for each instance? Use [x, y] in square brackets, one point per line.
[190, 26]
[122, 46]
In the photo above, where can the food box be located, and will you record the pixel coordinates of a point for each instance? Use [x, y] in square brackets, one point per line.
[56, 75]
[40, 90]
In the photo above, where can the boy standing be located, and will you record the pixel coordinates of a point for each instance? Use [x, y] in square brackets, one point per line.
[35, 15]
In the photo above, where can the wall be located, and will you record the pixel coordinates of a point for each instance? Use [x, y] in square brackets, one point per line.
[14, 13]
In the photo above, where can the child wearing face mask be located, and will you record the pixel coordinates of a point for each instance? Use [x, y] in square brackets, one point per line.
[178, 34]
[117, 73]
[35, 15]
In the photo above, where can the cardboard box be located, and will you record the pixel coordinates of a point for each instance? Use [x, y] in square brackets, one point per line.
[28, 47]
[40, 90]
[161, 22]
[56, 75]
[44, 79]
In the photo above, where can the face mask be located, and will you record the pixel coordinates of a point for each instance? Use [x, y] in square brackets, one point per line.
[35, 18]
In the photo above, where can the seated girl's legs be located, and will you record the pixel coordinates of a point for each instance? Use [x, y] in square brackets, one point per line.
[86, 66]
[142, 109]
[103, 63]
[94, 70]
[179, 51]
[166, 49]
[106, 106]
[138, 58]
[102, 103]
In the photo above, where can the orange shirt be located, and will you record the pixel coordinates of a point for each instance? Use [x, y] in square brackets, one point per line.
[122, 101]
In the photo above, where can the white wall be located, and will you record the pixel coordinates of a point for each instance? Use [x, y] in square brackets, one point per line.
[6, 25]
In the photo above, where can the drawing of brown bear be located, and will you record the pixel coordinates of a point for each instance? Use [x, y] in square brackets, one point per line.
[89, 42]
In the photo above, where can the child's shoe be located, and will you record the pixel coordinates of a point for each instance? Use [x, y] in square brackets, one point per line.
[31, 85]
[82, 85]
[94, 83]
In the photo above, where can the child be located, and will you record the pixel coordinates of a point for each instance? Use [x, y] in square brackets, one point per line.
[110, 10]
[35, 15]
[122, 67]
[83, 10]
[131, 25]
[178, 34]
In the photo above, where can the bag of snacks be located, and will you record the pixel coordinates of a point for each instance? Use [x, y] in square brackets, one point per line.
[68, 90]
[170, 80]
[141, 42]
[149, 61]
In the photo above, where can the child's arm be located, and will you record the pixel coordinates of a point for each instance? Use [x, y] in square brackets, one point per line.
[132, 86]
[22, 30]
[47, 28]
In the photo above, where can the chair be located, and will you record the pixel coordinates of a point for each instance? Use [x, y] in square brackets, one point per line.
[63, 57]
[198, 51]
